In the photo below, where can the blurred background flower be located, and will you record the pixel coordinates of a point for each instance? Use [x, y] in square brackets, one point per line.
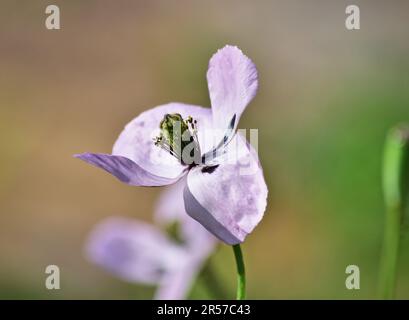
[326, 99]
[139, 252]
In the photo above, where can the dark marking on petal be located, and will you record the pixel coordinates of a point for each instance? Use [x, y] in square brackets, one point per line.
[223, 143]
[209, 169]
[232, 122]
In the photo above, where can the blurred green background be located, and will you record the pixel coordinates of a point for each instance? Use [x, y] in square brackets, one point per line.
[326, 100]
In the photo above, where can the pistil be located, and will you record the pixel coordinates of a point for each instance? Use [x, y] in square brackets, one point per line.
[178, 134]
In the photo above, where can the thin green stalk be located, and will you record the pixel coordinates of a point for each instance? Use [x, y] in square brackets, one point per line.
[241, 273]
[395, 182]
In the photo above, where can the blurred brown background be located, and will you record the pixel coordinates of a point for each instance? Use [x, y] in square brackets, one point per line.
[327, 97]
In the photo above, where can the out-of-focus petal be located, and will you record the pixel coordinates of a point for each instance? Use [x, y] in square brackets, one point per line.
[170, 208]
[126, 170]
[133, 250]
[198, 242]
[136, 140]
[228, 199]
[176, 285]
[233, 81]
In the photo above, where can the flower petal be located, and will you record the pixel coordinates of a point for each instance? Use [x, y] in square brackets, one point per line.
[133, 250]
[136, 140]
[126, 170]
[228, 199]
[176, 285]
[232, 80]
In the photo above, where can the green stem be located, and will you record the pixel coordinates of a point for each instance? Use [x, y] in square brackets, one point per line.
[241, 274]
[395, 194]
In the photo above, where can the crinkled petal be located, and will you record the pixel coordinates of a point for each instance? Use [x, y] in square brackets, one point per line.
[136, 140]
[232, 80]
[133, 250]
[228, 199]
[126, 170]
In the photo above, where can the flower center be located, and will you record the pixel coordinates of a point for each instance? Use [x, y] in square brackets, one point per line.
[179, 138]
